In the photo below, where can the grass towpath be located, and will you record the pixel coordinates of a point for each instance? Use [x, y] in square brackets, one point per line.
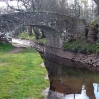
[21, 76]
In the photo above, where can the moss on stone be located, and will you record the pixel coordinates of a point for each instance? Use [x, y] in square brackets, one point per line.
[93, 24]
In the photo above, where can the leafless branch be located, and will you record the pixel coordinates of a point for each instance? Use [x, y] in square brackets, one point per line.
[16, 9]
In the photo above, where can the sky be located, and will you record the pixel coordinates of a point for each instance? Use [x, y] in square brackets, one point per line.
[3, 4]
[90, 2]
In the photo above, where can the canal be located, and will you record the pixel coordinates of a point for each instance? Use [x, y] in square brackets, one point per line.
[72, 82]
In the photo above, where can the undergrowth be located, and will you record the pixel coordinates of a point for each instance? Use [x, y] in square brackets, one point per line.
[81, 46]
[25, 35]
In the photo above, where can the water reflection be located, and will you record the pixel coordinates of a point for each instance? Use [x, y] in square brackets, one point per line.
[72, 82]
[85, 95]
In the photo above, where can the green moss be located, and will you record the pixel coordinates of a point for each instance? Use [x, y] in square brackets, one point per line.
[93, 24]
[25, 35]
[81, 46]
[42, 41]
[21, 76]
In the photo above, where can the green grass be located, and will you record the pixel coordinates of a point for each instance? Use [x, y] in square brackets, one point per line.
[21, 76]
[5, 47]
[81, 46]
[42, 41]
[25, 35]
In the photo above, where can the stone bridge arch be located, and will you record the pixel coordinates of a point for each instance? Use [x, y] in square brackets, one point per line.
[52, 36]
[59, 28]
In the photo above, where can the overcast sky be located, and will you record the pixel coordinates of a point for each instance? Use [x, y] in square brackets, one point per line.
[3, 4]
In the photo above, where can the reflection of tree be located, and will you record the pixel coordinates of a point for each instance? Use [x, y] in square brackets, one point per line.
[90, 89]
[97, 87]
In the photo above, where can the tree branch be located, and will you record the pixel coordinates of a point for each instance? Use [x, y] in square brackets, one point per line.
[13, 7]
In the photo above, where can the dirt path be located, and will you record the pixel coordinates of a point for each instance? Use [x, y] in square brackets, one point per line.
[16, 50]
[19, 45]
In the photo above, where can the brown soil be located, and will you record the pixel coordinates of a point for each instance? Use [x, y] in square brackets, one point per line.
[16, 50]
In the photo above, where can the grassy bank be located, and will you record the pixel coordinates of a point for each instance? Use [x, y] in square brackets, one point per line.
[81, 46]
[21, 76]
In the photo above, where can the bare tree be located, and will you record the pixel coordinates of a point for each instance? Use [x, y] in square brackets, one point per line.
[97, 2]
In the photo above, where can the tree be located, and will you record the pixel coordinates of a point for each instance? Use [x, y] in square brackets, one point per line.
[97, 2]
[29, 30]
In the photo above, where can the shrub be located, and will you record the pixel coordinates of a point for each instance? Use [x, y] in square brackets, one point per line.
[81, 46]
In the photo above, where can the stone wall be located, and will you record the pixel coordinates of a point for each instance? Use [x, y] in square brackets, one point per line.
[61, 57]
[75, 28]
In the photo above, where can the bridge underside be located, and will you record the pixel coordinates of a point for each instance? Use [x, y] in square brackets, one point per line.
[53, 38]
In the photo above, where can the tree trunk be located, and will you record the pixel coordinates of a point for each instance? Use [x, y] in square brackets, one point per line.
[29, 29]
[92, 34]
[97, 3]
[43, 35]
[36, 32]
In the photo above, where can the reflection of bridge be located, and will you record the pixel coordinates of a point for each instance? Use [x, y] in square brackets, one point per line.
[58, 28]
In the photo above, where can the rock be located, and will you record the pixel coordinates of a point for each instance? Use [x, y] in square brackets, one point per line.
[45, 93]
[42, 64]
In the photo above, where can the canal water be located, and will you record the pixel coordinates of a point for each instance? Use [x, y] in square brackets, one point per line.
[72, 82]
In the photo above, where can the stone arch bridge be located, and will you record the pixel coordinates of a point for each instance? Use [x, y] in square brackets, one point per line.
[59, 28]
